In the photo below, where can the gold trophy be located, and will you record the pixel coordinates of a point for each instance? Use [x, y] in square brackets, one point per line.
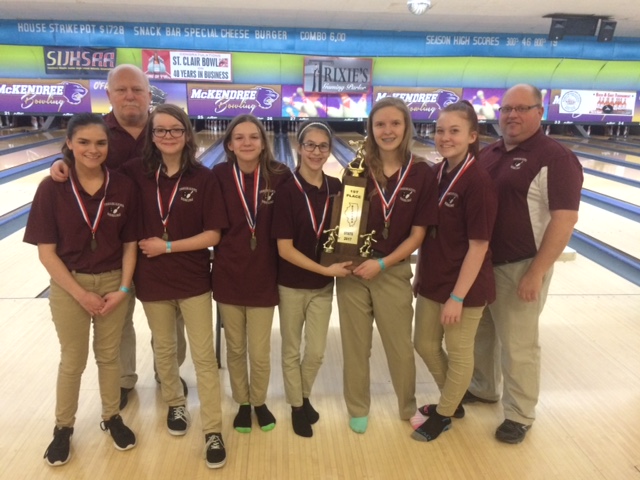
[348, 236]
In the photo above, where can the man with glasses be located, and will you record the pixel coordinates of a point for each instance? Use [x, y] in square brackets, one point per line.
[129, 93]
[538, 182]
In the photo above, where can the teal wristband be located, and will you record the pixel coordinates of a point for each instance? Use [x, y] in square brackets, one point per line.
[168, 250]
[381, 263]
[125, 289]
[455, 298]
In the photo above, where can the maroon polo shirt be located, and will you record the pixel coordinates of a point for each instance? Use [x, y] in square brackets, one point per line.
[122, 146]
[468, 213]
[292, 220]
[56, 218]
[537, 176]
[416, 205]
[197, 206]
[242, 276]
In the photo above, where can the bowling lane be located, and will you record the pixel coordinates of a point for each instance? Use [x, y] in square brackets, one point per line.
[29, 139]
[21, 157]
[610, 168]
[619, 232]
[612, 188]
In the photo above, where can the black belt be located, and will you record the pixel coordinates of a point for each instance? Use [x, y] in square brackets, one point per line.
[497, 264]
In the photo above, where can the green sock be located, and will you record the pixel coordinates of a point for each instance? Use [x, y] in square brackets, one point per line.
[359, 424]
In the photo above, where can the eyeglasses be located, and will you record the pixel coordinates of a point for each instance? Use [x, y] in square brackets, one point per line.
[173, 132]
[519, 109]
[310, 147]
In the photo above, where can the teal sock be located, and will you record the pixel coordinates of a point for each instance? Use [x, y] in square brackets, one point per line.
[359, 424]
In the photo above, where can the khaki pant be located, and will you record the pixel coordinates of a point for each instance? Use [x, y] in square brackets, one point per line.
[452, 369]
[248, 330]
[388, 300]
[73, 325]
[198, 320]
[309, 310]
[507, 345]
[128, 375]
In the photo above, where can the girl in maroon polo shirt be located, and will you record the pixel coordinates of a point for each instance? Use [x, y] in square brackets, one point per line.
[402, 203]
[455, 275]
[85, 233]
[245, 265]
[302, 211]
[183, 214]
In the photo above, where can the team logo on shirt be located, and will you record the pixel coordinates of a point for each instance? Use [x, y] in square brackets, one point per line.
[406, 194]
[114, 209]
[451, 199]
[187, 194]
[267, 196]
[517, 163]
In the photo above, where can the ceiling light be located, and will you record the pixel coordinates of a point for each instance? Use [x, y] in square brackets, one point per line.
[418, 7]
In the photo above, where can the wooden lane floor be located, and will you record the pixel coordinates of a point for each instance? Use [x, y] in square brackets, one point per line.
[29, 139]
[590, 341]
[614, 230]
[14, 159]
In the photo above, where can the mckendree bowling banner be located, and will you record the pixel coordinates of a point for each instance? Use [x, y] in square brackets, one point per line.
[337, 75]
[192, 65]
[30, 97]
[209, 101]
[423, 103]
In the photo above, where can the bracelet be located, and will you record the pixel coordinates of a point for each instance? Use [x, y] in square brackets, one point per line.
[381, 263]
[168, 250]
[124, 289]
[455, 298]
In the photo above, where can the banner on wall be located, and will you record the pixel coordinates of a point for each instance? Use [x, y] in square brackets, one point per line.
[423, 103]
[296, 103]
[79, 61]
[591, 106]
[44, 96]
[193, 65]
[207, 101]
[337, 75]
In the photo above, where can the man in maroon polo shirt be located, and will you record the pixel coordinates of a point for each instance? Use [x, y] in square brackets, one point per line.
[538, 182]
[129, 93]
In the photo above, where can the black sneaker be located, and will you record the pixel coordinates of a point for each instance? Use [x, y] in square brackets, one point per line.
[312, 415]
[471, 398]
[512, 432]
[214, 450]
[178, 420]
[123, 437]
[124, 397]
[427, 410]
[59, 450]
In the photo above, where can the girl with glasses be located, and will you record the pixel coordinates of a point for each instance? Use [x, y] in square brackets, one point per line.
[245, 265]
[402, 198]
[85, 230]
[455, 275]
[183, 214]
[302, 211]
